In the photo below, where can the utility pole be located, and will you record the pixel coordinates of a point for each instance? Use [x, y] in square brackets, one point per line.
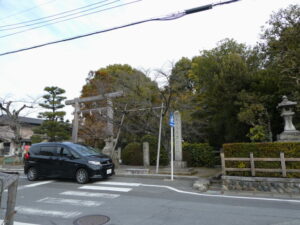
[159, 137]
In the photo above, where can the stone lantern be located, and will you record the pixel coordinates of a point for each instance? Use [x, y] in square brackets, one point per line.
[290, 133]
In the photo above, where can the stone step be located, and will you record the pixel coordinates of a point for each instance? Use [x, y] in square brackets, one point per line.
[179, 171]
[136, 171]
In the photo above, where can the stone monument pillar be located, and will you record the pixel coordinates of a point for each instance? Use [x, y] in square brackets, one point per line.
[290, 134]
[178, 163]
[120, 154]
[146, 154]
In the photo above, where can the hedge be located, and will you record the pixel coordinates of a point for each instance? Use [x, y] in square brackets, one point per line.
[262, 150]
[163, 159]
[132, 154]
[198, 154]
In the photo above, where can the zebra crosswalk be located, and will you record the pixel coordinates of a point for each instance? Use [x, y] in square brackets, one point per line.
[90, 194]
[102, 188]
[87, 196]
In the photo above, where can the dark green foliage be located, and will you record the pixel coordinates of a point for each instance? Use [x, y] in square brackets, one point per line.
[262, 150]
[54, 128]
[198, 154]
[153, 151]
[220, 75]
[132, 154]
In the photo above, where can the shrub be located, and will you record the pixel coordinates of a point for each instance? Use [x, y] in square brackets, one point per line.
[163, 159]
[198, 154]
[132, 154]
[262, 150]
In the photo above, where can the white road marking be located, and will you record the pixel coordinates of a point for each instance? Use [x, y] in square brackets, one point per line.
[34, 184]
[223, 196]
[19, 223]
[98, 188]
[39, 212]
[119, 183]
[73, 202]
[90, 194]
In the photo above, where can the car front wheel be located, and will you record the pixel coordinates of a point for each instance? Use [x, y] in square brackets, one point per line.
[32, 174]
[82, 176]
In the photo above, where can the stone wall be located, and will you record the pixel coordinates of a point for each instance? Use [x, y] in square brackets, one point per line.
[261, 184]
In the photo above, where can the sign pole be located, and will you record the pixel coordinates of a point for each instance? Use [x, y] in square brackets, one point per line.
[172, 124]
[172, 169]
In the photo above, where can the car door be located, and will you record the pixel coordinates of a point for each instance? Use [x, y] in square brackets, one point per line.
[48, 160]
[67, 162]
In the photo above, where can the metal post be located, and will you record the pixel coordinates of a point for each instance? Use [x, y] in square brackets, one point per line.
[159, 138]
[172, 169]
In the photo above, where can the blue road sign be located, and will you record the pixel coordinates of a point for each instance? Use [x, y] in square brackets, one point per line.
[171, 122]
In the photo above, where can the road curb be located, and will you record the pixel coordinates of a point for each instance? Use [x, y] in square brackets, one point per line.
[121, 174]
[155, 176]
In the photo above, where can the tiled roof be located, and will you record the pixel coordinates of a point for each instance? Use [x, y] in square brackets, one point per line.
[22, 119]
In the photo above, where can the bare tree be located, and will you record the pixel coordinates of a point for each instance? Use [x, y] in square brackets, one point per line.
[10, 117]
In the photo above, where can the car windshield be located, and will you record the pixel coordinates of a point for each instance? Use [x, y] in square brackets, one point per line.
[84, 150]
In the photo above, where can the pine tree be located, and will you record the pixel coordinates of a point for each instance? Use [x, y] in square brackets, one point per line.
[54, 128]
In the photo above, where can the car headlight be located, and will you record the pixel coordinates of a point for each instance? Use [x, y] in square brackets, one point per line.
[96, 163]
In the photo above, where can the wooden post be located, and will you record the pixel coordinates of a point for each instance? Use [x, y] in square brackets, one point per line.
[223, 163]
[283, 166]
[252, 164]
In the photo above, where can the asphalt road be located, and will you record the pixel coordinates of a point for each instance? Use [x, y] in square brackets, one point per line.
[137, 201]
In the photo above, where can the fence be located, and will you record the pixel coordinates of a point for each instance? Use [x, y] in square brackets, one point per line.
[283, 170]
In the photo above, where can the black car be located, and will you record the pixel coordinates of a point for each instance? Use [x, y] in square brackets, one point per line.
[66, 160]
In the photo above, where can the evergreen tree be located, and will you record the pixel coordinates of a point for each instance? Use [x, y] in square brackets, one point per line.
[54, 128]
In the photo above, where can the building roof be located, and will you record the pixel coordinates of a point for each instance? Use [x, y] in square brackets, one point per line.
[22, 119]
[29, 120]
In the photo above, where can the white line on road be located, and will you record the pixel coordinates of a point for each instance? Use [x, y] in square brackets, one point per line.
[73, 202]
[39, 212]
[90, 194]
[38, 184]
[119, 183]
[98, 188]
[35, 184]
[222, 196]
[19, 223]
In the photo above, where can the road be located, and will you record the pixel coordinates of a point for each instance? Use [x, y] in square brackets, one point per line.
[137, 201]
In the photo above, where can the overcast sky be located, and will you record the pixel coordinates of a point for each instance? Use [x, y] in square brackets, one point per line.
[147, 46]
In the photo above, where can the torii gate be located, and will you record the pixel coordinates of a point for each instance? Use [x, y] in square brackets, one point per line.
[109, 110]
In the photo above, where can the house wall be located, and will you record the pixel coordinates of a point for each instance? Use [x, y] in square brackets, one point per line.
[6, 136]
[26, 131]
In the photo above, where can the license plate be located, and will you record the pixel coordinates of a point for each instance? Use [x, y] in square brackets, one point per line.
[109, 171]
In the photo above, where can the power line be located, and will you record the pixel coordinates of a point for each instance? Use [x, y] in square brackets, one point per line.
[102, 10]
[164, 18]
[26, 10]
[13, 26]
[75, 17]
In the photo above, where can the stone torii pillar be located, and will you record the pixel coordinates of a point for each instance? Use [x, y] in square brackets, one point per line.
[77, 110]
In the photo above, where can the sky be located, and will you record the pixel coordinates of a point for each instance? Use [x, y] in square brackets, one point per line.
[148, 46]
